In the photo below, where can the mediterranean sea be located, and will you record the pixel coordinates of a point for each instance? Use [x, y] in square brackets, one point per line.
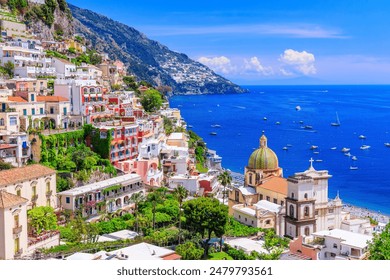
[361, 110]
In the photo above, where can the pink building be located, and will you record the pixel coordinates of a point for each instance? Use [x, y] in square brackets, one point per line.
[146, 168]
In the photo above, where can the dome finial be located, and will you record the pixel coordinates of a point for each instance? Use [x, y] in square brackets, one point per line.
[263, 140]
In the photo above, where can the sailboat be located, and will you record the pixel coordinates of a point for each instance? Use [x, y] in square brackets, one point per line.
[338, 121]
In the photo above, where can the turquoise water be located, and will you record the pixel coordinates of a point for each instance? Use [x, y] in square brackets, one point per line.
[362, 110]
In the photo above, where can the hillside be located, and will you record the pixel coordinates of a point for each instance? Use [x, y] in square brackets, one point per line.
[148, 59]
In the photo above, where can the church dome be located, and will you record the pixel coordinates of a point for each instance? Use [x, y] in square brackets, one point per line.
[263, 157]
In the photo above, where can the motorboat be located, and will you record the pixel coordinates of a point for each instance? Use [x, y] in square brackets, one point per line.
[285, 148]
[333, 148]
[277, 123]
[362, 137]
[313, 147]
[308, 127]
[347, 154]
[298, 108]
[318, 160]
[265, 118]
[353, 167]
[216, 125]
[213, 133]
[354, 158]
[387, 145]
[345, 150]
[364, 147]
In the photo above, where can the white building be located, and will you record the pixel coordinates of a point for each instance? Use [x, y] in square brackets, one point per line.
[190, 183]
[109, 195]
[341, 244]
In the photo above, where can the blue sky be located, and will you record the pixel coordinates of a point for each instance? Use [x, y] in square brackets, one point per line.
[269, 42]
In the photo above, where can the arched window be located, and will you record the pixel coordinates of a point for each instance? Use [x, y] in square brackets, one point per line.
[307, 211]
[292, 195]
[85, 90]
[307, 231]
[291, 211]
[250, 178]
[2, 122]
[306, 196]
[92, 90]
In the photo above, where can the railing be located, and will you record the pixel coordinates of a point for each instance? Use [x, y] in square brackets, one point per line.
[17, 230]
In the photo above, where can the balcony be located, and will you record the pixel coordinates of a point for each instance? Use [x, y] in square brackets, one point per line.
[17, 230]
[49, 193]
[34, 198]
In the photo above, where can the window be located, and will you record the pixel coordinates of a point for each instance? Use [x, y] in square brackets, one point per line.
[2, 121]
[305, 196]
[13, 121]
[32, 97]
[307, 231]
[330, 211]
[19, 192]
[335, 245]
[292, 195]
[246, 219]
[34, 190]
[307, 211]
[282, 203]
[67, 200]
[65, 111]
[16, 221]
[316, 212]
[24, 112]
[268, 198]
[291, 211]
[268, 222]
[32, 111]
[237, 196]
[48, 202]
[252, 222]
[261, 197]
[250, 179]
[275, 201]
[41, 111]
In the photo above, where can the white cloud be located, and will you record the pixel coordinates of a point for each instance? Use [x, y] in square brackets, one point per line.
[220, 64]
[254, 64]
[301, 62]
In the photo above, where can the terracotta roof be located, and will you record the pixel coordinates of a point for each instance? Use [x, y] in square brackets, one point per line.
[29, 172]
[171, 257]
[276, 184]
[16, 99]
[7, 146]
[9, 199]
[51, 98]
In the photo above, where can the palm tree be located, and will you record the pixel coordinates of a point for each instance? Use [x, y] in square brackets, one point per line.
[180, 193]
[225, 179]
[137, 198]
[154, 197]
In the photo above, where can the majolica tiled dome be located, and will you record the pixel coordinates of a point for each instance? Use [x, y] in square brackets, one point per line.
[263, 157]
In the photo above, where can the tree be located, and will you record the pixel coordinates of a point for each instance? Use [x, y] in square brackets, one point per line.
[225, 180]
[206, 215]
[274, 245]
[180, 193]
[379, 246]
[189, 251]
[137, 198]
[42, 218]
[151, 100]
[155, 198]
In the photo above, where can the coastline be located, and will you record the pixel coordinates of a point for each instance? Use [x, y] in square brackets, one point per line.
[362, 212]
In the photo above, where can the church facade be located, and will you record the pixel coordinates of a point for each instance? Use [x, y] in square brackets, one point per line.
[296, 206]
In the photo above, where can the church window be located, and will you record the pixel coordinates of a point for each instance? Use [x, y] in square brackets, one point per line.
[292, 195]
[307, 231]
[291, 211]
[307, 211]
[305, 196]
[250, 179]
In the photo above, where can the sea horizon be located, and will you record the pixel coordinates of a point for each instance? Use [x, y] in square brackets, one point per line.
[242, 120]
